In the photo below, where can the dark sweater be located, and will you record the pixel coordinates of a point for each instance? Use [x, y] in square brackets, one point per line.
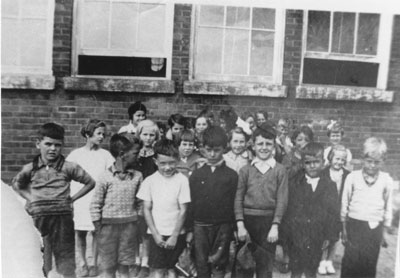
[213, 194]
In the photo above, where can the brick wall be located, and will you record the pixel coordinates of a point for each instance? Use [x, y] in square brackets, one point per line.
[23, 111]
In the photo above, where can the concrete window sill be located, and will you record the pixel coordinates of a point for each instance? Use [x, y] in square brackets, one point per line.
[235, 89]
[343, 93]
[28, 81]
[119, 85]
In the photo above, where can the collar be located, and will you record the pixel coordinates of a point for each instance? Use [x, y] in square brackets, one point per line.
[146, 152]
[218, 164]
[368, 179]
[312, 181]
[116, 171]
[58, 164]
[271, 162]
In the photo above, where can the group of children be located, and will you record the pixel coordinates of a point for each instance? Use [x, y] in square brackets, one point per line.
[204, 184]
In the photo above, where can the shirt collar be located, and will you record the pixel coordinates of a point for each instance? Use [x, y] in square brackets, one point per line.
[219, 163]
[55, 164]
[116, 171]
[271, 162]
[244, 155]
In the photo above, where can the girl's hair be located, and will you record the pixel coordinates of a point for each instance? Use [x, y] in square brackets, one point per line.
[208, 114]
[176, 119]
[336, 148]
[161, 126]
[265, 113]
[149, 124]
[374, 146]
[312, 149]
[166, 147]
[306, 130]
[90, 126]
[334, 127]
[119, 143]
[237, 130]
[202, 116]
[186, 135]
[137, 106]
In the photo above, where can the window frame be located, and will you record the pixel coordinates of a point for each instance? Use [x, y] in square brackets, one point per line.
[168, 42]
[382, 56]
[280, 23]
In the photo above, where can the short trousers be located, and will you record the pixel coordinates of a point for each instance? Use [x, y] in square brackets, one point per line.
[162, 258]
[117, 244]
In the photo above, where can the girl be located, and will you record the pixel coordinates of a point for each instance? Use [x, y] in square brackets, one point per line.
[261, 117]
[176, 123]
[189, 159]
[95, 160]
[238, 156]
[250, 119]
[137, 112]
[335, 134]
[337, 173]
[201, 124]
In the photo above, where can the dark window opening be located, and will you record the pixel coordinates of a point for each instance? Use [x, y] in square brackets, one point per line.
[122, 66]
[342, 73]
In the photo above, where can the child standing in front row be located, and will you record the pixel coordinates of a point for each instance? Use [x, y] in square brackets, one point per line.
[113, 209]
[337, 173]
[366, 212]
[311, 215]
[239, 155]
[166, 195]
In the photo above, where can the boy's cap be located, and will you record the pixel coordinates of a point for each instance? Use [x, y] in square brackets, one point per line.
[268, 127]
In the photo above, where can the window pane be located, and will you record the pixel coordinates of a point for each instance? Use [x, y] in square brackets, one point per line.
[211, 15]
[151, 27]
[368, 31]
[263, 18]
[236, 51]
[9, 42]
[124, 25]
[318, 31]
[262, 53]
[95, 25]
[37, 8]
[238, 17]
[34, 52]
[9, 7]
[209, 50]
[343, 32]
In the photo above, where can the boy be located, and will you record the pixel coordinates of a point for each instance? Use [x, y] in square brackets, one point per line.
[312, 213]
[45, 184]
[366, 212]
[166, 195]
[261, 200]
[212, 189]
[113, 208]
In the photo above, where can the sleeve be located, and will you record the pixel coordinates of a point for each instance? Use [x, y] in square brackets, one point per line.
[349, 156]
[122, 130]
[282, 196]
[97, 203]
[241, 192]
[78, 174]
[23, 178]
[333, 212]
[184, 192]
[144, 191]
[346, 198]
[388, 199]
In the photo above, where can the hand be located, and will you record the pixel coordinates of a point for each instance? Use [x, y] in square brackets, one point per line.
[97, 226]
[171, 242]
[345, 240]
[242, 232]
[384, 242]
[189, 238]
[273, 234]
[325, 244]
[159, 240]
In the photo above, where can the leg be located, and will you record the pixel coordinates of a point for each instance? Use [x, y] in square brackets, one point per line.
[202, 250]
[158, 273]
[144, 267]
[47, 255]
[331, 251]
[93, 269]
[108, 273]
[123, 271]
[80, 237]
[171, 273]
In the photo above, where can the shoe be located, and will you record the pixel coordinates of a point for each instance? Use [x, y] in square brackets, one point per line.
[83, 272]
[144, 272]
[134, 270]
[283, 267]
[329, 268]
[322, 268]
[93, 271]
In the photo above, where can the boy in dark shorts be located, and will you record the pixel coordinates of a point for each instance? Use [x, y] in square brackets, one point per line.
[165, 194]
[213, 189]
[113, 208]
[45, 184]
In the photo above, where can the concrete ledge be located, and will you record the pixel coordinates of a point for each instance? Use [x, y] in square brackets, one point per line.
[343, 93]
[234, 89]
[119, 85]
[30, 81]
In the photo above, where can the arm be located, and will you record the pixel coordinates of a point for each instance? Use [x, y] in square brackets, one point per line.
[171, 242]
[97, 203]
[239, 198]
[148, 207]
[80, 175]
[387, 217]
[21, 181]
[333, 211]
[346, 199]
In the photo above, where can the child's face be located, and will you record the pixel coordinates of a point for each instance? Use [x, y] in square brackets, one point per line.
[260, 118]
[138, 116]
[338, 160]
[186, 148]
[50, 149]
[372, 164]
[238, 143]
[148, 136]
[264, 147]
[301, 141]
[283, 128]
[313, 165]
[166, 165]
[130, 157]
[177, 128]
[98, 136]
[250, 121]
[335, 138]
[213, 154]
[201, 125]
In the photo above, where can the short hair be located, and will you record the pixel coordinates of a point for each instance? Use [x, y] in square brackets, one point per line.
[161, 126]
[119, 143]
[215, 136]
[90, 126]
[51, 130]
[166, 147]
[137, 106]
[186, 135]
[150, 124]
[313, 149]
[374, 146]
[336, 148]
[237, 130]
[176, 119]
[306, 130]
[334, 127]
[265, 130]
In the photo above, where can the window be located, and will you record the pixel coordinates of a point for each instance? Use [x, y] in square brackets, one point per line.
[123, 38]
[234, 43]
[346, 48]
[27, 37]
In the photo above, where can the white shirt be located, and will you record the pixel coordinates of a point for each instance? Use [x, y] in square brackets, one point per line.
[264, 165]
